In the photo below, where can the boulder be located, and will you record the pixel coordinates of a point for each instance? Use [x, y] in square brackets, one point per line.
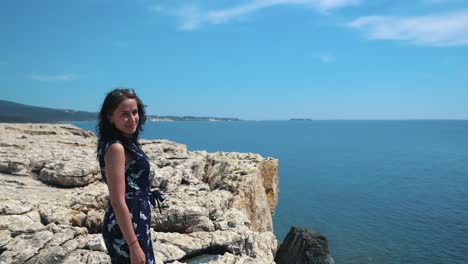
[303, 246]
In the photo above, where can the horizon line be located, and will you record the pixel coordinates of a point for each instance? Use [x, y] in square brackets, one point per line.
[285, 119]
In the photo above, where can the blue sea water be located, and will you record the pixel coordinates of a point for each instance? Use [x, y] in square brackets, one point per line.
[380, 191]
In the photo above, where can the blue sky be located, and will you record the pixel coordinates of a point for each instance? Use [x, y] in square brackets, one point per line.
[255, 60]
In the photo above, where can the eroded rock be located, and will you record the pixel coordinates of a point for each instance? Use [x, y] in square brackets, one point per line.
[218, 204]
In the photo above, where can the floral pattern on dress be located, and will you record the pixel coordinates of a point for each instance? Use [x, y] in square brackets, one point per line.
[137, 198]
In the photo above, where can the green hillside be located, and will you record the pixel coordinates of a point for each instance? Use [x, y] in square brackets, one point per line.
[11, 112]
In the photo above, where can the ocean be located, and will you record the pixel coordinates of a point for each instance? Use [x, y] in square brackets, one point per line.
[380, 191]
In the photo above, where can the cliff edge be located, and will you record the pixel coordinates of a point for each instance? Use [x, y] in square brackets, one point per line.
[219, 205]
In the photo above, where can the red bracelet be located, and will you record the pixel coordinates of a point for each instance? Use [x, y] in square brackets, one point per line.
[131, 244]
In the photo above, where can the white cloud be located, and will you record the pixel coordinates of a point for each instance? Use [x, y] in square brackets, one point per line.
[436, 1]
[448, 29]
[192, 17]
[47, 78]
[326, 58]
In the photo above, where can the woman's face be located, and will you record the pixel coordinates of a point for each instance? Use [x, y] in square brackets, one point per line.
[125, 117]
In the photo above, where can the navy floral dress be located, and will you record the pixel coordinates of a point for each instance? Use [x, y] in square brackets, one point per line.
[137, 197]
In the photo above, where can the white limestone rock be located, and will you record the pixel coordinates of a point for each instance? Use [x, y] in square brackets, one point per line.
[19, 224]
[12, 207]
[95, 242]
[87, 257]
[26, 246]
[49, 255]
[218, 204]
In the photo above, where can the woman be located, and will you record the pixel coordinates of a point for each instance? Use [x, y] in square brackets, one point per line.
[125, 168]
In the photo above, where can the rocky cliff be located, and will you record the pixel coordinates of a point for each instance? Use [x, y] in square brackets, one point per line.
[219, 205]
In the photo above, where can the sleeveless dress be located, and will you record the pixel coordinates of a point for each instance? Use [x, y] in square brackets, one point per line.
[137, 198]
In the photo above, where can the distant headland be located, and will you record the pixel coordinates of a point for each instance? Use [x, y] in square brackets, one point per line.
[300, 119]
[12, 112]
[154, 118]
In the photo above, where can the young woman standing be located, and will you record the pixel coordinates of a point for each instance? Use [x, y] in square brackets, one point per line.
[125, 169]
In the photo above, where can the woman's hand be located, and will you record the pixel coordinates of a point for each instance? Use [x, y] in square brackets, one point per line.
[137, 256]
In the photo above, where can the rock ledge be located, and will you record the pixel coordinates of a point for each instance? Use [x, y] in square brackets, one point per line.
[218, 204]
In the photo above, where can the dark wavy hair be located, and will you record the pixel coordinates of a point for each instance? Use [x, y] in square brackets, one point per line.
[107, 131]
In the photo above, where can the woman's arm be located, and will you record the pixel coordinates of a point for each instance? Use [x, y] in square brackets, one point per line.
[114, 159]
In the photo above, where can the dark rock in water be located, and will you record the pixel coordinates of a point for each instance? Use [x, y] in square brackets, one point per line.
[303, 246]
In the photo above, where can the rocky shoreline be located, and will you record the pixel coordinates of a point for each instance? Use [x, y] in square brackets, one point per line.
[219, 205]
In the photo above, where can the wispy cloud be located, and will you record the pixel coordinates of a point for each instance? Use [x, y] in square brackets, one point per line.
[448, 29]
[436, 1]
[193, 17]
[326, 58]
[47, 78]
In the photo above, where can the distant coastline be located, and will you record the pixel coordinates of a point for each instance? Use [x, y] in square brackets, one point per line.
[154, 118]
[300, 119]
[12, 112]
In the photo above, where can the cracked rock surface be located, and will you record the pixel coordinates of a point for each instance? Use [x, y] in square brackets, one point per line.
[219, 205]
